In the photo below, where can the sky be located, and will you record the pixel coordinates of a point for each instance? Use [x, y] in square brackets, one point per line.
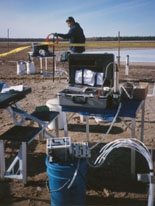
[98, 18]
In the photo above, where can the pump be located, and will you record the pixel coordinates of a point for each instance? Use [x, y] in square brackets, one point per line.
[62, 149]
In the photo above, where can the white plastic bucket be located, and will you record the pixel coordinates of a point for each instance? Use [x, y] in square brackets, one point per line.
[53, 105]
[30, 67]
[21, 67]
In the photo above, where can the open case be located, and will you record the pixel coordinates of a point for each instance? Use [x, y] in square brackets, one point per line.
[91, 81]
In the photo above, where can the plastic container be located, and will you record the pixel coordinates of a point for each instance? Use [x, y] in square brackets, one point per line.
[53, 105]
[21, 67]
[1, 85]
[30, 67]
[60, 177]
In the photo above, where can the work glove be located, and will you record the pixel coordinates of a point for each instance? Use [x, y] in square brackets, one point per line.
[55, 34]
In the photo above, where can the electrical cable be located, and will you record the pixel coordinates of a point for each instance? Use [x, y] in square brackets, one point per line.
[70, 181]
[75, 174]
[133, 144]
[56, 190]
[106, 71]
[128, 95]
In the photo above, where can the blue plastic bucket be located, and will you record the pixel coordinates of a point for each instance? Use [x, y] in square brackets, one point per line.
[60, 177]
[1, 85]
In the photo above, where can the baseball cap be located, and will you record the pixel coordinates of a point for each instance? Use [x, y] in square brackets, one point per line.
[70, 19]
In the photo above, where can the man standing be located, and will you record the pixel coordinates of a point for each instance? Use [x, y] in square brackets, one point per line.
[75, 35]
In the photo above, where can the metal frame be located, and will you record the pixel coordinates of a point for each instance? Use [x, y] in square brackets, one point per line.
[16, 110]
[21, 158]
[46, 60]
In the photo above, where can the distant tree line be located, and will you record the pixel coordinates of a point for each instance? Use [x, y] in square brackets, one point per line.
[122, 38]
[22, 40]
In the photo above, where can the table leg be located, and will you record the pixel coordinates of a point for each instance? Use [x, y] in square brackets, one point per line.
[55, 64]
[87, 128]
[133, 153]
[65, 125]
[41, 65]
[45, 64]
[2, 159]
[57, 127]
[24, 162]
[82, 118]
[142, 122]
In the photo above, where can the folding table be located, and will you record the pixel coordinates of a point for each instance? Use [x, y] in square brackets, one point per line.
[129, 109]
[21, 133]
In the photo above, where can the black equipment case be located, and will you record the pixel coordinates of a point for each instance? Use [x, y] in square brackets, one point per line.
[41, 50]
[94, 91]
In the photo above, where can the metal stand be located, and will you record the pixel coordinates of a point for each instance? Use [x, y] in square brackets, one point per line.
[46, 62]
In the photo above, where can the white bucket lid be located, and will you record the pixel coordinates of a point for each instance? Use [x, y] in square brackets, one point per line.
[53, 103]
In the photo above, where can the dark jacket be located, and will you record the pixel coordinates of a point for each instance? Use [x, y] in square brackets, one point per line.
[75, 35]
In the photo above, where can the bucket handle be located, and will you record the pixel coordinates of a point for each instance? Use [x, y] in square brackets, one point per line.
[57, 190]
[69, 180]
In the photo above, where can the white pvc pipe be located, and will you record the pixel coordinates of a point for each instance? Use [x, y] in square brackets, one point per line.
[154, 90]
[136, 145]
[41, 65]
[127, 65]
[46, 64]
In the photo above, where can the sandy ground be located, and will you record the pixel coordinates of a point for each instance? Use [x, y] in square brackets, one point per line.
[111, 184]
